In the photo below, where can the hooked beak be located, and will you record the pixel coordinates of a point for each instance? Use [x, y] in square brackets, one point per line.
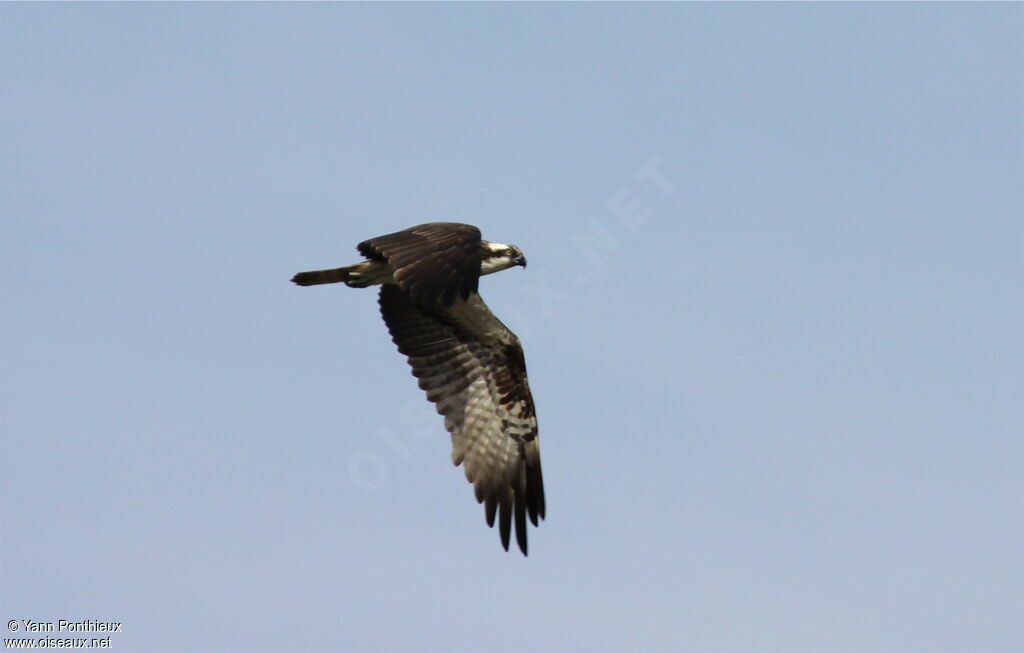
[521, 260]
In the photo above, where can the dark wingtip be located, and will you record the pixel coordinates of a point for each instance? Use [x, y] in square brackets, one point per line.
[520, 515]
[505, 521]
[491, 509]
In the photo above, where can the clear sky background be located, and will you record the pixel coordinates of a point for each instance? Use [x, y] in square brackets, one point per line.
[779, 383]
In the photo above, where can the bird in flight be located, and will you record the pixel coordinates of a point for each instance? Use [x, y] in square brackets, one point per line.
[469, 363]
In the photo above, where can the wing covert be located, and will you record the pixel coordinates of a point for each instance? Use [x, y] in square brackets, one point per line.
[434, 263]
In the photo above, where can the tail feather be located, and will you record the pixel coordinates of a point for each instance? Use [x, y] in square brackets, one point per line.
[360, 275]
[317, 277]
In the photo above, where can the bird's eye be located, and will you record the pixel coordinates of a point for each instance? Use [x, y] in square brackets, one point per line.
[508, 252]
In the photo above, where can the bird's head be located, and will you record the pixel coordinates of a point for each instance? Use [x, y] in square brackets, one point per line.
[495, 257]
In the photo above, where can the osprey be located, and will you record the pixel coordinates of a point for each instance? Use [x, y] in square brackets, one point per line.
[469, 363]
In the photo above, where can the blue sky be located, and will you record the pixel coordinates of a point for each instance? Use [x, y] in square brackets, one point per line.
[780, 383]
